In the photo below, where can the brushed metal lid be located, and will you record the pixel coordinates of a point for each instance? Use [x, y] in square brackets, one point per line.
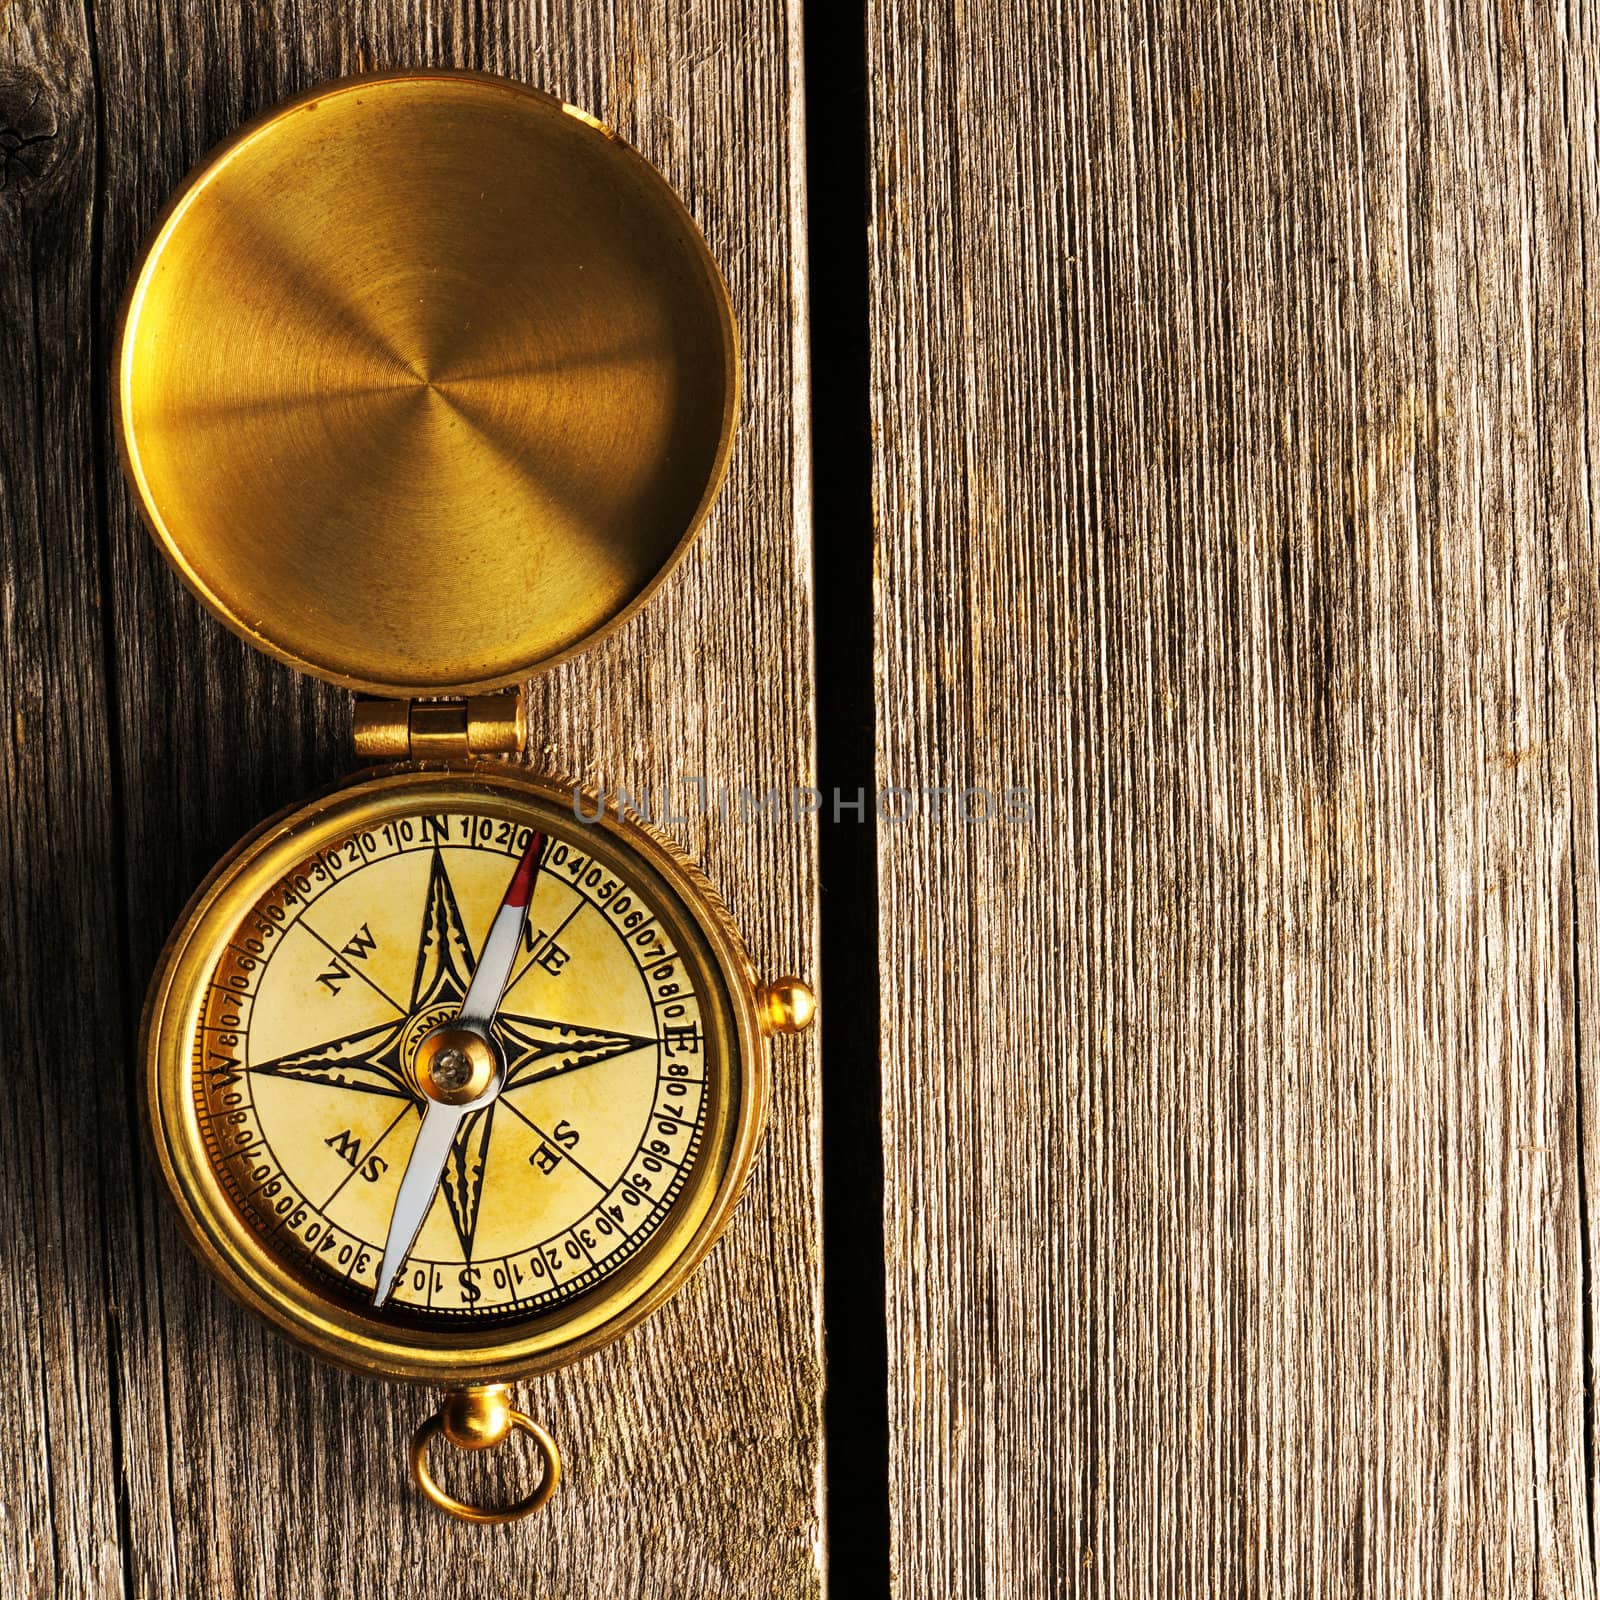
[425, 381]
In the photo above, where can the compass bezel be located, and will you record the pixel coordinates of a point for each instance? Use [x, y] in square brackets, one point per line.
[295, 1301]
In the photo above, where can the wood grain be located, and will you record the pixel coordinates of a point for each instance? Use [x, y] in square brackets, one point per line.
[1235, 442]
[185, 1451]
[64, 1180]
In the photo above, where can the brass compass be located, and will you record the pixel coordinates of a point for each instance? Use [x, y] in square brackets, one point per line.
[424, 382]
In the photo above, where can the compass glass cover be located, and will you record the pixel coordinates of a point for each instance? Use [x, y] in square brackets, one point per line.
[303, 1068]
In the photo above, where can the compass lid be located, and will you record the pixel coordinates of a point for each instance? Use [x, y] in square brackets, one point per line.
[425, 381]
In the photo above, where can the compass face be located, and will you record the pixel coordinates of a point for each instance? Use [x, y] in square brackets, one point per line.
[302, 1065]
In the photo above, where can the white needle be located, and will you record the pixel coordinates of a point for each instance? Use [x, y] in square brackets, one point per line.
[500, 948]
[439, 1126]
[417, 1189]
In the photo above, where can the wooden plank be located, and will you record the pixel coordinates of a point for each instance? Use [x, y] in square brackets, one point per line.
[241, 1467]
[1235, 499]
[65, 1150]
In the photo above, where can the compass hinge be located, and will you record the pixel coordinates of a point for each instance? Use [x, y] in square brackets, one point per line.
[448, 729]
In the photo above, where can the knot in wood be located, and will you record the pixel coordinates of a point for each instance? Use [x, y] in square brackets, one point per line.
[28, 128]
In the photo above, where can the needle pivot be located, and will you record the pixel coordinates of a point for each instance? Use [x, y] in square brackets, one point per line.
[456, 1066]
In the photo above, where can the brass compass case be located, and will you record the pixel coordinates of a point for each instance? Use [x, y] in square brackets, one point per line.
[424, 382]
[242, 947]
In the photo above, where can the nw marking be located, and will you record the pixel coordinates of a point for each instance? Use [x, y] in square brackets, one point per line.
[357, 947]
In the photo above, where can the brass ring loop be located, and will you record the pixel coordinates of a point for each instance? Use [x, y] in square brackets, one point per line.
[525, 1507]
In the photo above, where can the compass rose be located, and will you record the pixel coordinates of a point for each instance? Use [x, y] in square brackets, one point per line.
[379, 1060]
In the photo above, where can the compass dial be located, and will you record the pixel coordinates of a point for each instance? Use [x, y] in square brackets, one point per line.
[303, 1066]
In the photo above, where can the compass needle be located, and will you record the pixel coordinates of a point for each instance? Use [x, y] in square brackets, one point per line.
[417, 1189]
[460, 1066]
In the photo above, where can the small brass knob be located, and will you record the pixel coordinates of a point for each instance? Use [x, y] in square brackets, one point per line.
[474, 1419]
[787, 1005]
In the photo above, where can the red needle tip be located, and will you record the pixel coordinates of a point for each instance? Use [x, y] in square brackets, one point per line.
[521, 890]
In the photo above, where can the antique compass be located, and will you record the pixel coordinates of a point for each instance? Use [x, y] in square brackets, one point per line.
[424, 382]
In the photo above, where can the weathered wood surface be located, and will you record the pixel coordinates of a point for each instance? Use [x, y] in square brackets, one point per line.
[157, 1442]
[1235, 441]
[65, 1179]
